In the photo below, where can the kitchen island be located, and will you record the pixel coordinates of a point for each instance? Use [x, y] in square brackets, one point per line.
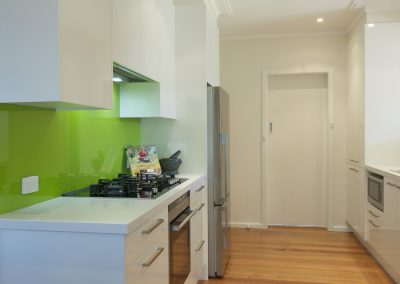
[89, 240]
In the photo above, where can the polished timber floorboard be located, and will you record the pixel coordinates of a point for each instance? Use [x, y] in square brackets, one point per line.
[284, 255]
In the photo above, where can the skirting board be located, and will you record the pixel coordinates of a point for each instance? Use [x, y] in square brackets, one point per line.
[247, 225]
[341, 229]
[261, 226]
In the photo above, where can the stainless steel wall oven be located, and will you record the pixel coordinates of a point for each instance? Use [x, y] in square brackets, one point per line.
[179, 215]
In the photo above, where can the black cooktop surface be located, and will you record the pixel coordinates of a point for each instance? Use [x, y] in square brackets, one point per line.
[148, 186]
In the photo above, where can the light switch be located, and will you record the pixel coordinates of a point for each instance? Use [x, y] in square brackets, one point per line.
[30, 184]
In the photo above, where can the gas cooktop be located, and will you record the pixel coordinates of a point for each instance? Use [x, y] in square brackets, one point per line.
[147, 186]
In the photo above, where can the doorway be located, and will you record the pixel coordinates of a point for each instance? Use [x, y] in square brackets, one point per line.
[296, 149]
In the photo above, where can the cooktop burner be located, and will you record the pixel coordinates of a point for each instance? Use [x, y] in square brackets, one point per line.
[140, 186]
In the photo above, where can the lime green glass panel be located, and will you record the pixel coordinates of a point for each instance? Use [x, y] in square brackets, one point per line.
[68, 150]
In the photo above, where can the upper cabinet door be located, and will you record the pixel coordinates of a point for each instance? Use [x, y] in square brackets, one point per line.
[144, 41]
[57, 55]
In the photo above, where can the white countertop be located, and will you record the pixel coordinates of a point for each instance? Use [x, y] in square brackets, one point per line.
[91, 214]
[384, 170]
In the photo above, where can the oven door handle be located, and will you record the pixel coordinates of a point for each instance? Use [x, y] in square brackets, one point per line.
[177, 228]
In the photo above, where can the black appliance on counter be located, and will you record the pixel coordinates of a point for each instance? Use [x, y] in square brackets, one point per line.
[148, 186]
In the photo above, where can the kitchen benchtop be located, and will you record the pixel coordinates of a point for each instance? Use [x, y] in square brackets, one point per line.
[92, 214]
[384, 170]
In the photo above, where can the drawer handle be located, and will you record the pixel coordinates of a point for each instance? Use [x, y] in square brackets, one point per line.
[372, 223]
[200, 246]
[373, 214]
[149, 262]
[393, 184]
[200, 188]
[354, 169]
[155, 225]
[355, 161]
[199, 207]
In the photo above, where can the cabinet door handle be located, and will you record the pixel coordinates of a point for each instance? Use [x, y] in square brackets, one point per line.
[391, 184]
[150, 261]
[155, 225]
[199, 207]
[372, 223]
[355, 161]
[373, 214]
[200, 246]
[353, 169]
[200, 188]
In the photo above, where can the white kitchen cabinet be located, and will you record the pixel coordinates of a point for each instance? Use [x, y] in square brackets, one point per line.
[374, 222]
[147, 251]
[384, 228]
[198, 234]
[144, 41]
[56, 53]
[356, 97]
[355, 199]
[212, 45]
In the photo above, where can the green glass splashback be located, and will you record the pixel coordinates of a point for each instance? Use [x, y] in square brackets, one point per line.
[68, 150]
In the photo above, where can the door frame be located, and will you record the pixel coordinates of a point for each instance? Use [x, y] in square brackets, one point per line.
[329, 138]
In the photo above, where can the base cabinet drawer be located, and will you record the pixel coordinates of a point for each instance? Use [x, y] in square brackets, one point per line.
[147, 251]
[150, 267]
[198, 238]
[383, 229]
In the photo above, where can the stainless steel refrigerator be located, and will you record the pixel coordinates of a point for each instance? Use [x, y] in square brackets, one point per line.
[218, 181]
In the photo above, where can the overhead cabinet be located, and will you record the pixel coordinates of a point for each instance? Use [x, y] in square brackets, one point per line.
[144, 42]
[56, 53]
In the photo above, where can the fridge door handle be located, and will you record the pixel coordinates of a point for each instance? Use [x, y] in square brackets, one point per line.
[226, 166]
[220, 203]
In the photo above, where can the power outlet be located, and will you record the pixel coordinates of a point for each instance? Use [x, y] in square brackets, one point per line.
[30, 184]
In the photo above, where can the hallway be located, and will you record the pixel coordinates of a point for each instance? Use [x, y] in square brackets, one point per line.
[299, 255]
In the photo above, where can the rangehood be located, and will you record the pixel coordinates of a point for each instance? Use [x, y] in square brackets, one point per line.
[123, 74]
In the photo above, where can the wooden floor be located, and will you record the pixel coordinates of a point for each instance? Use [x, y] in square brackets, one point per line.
[284, 255]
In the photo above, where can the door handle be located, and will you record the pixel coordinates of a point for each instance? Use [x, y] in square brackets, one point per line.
[373, 224]
[199, 207]
[200, 246]
[152, 228]
[372, 213]
[200, 188]
[150, 261]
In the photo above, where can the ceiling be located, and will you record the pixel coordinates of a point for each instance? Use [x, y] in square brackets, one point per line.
[276, 17]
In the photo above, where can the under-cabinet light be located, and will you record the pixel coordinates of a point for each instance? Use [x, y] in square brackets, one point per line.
[117, 79]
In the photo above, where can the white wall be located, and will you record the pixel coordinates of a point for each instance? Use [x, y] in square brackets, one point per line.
[382, 94]
[242, 63]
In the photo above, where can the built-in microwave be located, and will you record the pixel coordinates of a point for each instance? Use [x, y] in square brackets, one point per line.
[375, 190]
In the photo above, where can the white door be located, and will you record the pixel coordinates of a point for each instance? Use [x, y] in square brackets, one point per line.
[296, 155]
